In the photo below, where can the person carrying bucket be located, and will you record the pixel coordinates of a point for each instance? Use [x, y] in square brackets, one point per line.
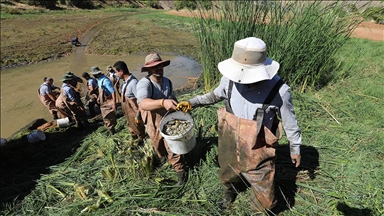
[155, 97]
[70, 105]
[248, 126]
[129, 101]
[48, 97]
[106, 99]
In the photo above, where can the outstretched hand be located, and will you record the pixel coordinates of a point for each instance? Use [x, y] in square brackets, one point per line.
[184, 106]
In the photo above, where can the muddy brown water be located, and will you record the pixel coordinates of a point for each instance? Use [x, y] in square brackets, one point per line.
[20, 103]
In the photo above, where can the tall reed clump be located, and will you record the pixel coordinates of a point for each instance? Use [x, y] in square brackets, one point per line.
[302, 36]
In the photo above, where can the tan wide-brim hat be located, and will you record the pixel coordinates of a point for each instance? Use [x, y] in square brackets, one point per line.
[249, 62]
[153, 59]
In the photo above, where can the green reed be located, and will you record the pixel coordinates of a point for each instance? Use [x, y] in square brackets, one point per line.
[302, 36]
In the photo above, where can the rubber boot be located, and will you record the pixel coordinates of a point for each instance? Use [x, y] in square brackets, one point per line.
[112, 131]
[229, 198]
[182, 178]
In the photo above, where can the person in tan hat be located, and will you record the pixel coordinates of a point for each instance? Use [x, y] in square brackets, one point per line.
[249, 129]
[106, 99]
[155, 97]
[69, 104]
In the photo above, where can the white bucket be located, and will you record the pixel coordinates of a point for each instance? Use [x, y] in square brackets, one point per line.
[36, 136]
[64, 122]
[183, 143]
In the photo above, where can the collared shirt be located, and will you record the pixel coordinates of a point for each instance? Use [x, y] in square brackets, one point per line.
[106, 84]
[129, 87]
[245, 100]
[45, 89]
[69, 92]
[150, 89]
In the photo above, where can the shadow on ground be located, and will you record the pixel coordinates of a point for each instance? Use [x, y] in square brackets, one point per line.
[22, 163]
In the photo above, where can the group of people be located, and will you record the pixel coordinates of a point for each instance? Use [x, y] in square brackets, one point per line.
[249, 127]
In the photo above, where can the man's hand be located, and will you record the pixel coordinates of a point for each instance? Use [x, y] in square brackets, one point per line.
[169, 104]
[184, 106]
[296, 159]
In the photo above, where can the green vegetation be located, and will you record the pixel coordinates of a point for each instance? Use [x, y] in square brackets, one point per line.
[88, 172]
[303, 37]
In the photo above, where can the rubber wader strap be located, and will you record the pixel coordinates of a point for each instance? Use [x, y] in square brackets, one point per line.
[259, 114]
[170, 88]
[101, 92]
[125, 88]
[227, 102]
[149, 79]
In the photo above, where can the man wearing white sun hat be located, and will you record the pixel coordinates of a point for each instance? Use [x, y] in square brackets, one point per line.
[248, 126]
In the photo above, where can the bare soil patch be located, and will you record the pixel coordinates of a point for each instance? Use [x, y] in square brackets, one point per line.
[366, 30]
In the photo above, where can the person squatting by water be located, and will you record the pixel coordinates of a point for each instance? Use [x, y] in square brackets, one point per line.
[155, 98]
[48, 96]
[248, 126]
[129, 101]
[75, 41]
[69, 104]
[93, 93]
[106, 99]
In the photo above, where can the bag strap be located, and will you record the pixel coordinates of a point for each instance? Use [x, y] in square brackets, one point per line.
[259, 114]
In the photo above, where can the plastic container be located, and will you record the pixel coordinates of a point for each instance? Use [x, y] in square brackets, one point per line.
[64, 122]
[183, 143]
[36, 136]
[3, 142]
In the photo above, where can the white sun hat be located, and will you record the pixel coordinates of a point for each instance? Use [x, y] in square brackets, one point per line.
[249, 62]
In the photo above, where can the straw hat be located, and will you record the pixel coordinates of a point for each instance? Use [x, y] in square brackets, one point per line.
[152, 60]
[249, 62]
[95, 70]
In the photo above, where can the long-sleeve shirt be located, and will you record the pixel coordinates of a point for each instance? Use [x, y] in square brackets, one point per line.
[245, 100]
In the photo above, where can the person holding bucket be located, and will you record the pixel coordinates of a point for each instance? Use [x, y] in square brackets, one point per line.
[106, 99]
[155, 97]
[129, 101]
[248, 126]
[69, 104]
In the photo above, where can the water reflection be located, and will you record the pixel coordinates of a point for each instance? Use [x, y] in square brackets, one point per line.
[20, 103]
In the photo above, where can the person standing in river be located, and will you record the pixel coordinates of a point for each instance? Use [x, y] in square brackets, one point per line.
[249, 128]
[48, 97]
[129, 101]
[155, 97]
[106, 99]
